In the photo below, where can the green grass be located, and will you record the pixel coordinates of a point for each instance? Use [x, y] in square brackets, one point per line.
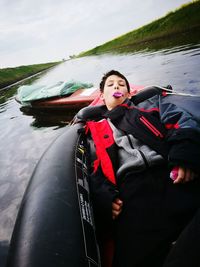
[9, 76]
[186, 19]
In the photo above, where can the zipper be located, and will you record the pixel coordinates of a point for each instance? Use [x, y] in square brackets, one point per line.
[151, 127]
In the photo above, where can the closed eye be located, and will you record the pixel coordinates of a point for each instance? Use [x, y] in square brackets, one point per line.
[122, 84]
[110, 84]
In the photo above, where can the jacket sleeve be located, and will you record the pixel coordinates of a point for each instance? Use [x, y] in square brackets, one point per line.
[103, 192]
[183, 135]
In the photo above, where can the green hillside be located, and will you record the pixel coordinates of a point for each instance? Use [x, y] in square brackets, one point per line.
[181, 26]
[11, 75]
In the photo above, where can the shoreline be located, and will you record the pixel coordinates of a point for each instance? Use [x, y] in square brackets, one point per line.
[181, 22]
[163, 41]
[12, 76]
[156, 42]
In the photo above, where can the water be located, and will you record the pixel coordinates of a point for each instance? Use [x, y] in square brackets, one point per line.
[24, 136]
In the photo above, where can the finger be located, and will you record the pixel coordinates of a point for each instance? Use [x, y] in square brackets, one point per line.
[118, 201]
[181, 176]
[115, 214]
[115, 206]
[189, 175]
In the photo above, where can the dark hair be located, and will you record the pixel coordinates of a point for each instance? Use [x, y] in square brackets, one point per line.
[109, 73]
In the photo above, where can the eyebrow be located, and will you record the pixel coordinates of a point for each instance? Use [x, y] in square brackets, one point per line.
[121, 80]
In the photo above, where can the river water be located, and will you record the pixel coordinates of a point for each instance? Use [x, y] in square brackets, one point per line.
[24, 136]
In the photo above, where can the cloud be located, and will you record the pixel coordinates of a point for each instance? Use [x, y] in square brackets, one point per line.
[29, 30]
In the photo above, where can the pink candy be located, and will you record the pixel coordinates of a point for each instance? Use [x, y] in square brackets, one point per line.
[117, 94]
[174, 173]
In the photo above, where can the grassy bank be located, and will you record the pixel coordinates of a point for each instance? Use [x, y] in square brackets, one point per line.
[9, 76]
[175, 25]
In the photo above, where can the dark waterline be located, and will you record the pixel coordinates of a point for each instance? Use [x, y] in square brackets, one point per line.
[25, 135]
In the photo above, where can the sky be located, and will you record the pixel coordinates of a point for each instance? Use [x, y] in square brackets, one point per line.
[40, 31]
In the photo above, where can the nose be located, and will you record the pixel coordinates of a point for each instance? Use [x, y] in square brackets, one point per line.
[116, 86]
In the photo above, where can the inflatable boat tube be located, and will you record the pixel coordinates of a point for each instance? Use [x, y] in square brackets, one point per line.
[55, 225]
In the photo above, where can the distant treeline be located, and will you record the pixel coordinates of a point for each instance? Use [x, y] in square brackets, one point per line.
[9, 76]
[184, 22]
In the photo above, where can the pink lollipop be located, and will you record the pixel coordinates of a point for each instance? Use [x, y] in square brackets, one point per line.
[174, 173]
[118, 94]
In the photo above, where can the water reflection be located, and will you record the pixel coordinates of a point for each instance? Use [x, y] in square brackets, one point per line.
[2, 107]
[46, 118]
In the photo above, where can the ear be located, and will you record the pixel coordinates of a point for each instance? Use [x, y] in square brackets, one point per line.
[101, 96]
[129, 96]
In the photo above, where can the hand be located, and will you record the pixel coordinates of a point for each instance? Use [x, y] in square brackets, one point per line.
[116, 208]
[184, 175]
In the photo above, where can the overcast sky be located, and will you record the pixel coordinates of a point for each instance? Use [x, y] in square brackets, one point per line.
[37, 31]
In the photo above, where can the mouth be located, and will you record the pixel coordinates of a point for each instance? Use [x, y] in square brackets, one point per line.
[118, 94]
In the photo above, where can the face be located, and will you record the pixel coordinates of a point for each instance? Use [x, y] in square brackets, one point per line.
[115, 91]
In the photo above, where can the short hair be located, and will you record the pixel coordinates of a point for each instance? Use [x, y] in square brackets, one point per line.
[109, 73]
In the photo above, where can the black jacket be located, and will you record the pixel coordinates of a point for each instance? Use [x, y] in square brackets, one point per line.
[161, 125]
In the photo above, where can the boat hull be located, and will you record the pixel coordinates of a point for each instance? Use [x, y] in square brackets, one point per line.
[55, 223]
[79, 99]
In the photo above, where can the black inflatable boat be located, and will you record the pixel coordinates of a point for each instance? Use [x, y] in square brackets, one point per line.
[55, 226]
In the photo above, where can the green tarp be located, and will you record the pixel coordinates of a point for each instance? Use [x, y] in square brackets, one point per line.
[29, 93]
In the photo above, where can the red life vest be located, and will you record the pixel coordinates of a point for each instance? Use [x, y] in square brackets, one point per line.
[102, 136]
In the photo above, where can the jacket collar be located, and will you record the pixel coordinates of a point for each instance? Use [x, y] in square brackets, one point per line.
[119, 110]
